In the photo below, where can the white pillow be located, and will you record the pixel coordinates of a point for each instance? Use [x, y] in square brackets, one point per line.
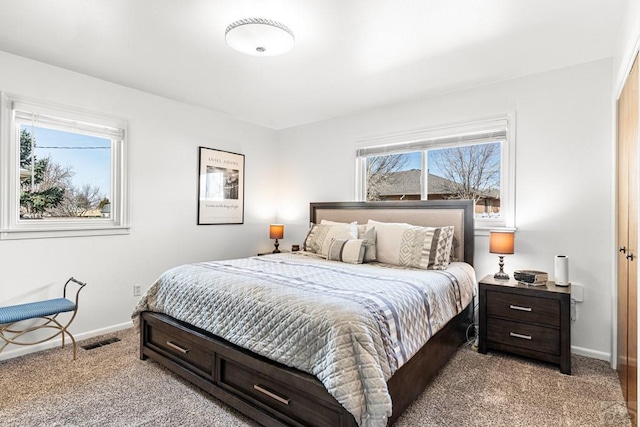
[408, 245]
[327, 222]
[320, 235]
[363, 233]
[369, 237]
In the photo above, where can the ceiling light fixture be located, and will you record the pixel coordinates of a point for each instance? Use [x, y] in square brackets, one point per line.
[259, 37]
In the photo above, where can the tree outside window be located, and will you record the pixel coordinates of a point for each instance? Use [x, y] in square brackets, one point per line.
[460, 172]
[48, 188]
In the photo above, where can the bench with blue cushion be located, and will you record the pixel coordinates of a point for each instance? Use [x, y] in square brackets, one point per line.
[47, 310]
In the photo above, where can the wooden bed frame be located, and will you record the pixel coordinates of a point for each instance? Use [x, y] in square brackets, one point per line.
[276, 395]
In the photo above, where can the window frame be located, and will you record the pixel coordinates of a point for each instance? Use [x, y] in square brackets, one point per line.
[449, 136]
[70, 120]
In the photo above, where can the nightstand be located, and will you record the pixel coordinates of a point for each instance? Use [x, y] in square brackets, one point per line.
[284, 251]
[532, 321]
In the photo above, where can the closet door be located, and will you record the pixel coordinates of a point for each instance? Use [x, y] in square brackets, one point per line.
[627, 238]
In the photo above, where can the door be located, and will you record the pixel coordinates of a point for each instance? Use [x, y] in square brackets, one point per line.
[627, 239]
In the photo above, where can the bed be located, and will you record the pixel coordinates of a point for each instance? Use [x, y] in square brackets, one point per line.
[264, 334]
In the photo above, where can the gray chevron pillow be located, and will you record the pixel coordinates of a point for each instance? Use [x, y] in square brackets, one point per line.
[408, 245]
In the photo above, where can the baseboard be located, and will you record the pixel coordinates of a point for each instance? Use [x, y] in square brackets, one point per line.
[591, 353]
[22, 350]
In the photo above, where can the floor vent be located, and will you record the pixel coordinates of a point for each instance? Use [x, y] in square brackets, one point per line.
[100, 343]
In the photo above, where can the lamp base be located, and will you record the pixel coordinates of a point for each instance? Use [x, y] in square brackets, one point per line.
[276, 250]
[501, 275]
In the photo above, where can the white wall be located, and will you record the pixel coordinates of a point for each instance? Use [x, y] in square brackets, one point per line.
[163, 157]
[629, 34]
[563, 175]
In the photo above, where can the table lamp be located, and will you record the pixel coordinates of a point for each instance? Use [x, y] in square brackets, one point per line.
[501, 243]
[276, 231]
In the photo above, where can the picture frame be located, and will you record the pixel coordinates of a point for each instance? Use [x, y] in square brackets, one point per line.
[220, 187]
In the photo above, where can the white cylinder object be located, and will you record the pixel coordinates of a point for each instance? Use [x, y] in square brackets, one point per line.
[562, 270]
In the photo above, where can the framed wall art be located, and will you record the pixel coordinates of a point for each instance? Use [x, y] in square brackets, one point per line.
[220, 187]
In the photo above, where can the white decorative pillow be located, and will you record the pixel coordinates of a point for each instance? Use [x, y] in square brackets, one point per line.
[369, 237]
[408, 245]
[320, 236]
[363, 233]
[344, 250]
[327, 222]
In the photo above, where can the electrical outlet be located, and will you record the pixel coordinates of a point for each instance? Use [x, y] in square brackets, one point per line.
[577, 292]
[136, 290]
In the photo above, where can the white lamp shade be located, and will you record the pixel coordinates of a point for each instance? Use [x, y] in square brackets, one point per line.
[259, 37]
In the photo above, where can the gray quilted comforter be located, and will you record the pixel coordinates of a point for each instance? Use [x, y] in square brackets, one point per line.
[352, 326]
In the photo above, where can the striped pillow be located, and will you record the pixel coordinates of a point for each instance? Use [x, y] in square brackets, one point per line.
[347, 250]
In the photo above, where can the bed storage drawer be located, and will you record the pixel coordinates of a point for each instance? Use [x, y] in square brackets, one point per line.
[189, 349]
[296, 402]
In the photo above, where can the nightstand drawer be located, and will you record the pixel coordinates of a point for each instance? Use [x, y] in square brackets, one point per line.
[523, 308]
[537, 338]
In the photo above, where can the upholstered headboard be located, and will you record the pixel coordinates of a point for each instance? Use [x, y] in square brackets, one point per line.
[437, 213]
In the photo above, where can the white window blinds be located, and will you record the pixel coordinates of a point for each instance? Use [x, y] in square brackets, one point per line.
[37, 115]
[485, 131]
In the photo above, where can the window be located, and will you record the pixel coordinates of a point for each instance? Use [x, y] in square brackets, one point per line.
[64, 172]
[464, 161]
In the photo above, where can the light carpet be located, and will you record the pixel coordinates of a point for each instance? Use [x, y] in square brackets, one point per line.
[111, 386]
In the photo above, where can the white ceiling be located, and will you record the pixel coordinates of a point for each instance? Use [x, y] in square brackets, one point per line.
[350, 55]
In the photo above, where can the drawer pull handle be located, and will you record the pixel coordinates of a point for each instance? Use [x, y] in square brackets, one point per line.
[271, 394]
[517, 307]
[177, 347]
[524, 337]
